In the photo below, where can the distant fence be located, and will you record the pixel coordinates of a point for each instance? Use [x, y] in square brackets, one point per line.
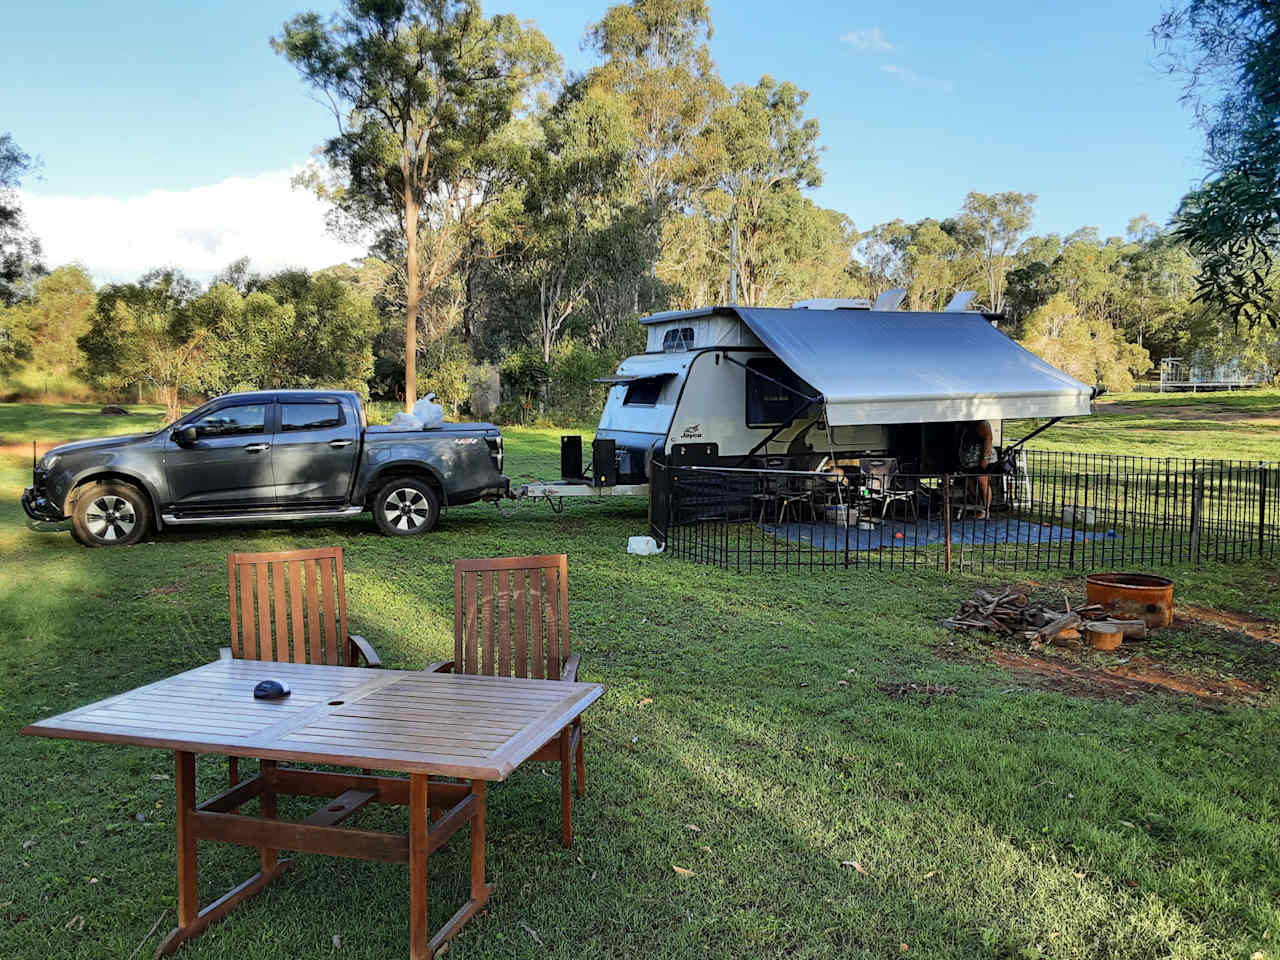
[1049, 510]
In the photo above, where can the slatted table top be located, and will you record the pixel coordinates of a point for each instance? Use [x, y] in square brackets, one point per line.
[453, 725]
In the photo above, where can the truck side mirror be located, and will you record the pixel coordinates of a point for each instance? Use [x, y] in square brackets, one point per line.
[185, 437]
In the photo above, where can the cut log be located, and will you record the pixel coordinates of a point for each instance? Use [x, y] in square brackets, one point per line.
[1104, 635]
[1066, 621]
[1132, 629]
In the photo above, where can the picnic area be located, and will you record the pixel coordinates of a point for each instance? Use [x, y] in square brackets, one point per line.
[779, 765]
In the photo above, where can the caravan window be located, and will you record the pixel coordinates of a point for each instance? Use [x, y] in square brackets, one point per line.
[644, 393]
[678, 340]
[768, 403]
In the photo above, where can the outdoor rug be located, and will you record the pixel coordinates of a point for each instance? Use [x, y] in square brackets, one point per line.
[895, 533]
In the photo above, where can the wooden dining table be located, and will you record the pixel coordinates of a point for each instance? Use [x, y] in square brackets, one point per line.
[424, 726]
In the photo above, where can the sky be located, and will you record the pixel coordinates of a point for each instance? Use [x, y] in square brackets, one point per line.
[169, 132]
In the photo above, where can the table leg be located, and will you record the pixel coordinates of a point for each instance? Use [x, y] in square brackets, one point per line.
[478, 891]
[191, 919]
[566, 795]
[188, 895]
[267, 806]
[419, 922]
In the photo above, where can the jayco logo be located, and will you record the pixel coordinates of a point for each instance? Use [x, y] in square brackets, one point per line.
[692, 432]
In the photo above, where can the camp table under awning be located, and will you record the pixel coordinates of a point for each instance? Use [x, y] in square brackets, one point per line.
[891, 367]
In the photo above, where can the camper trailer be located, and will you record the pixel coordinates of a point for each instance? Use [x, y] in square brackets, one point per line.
[823, 383]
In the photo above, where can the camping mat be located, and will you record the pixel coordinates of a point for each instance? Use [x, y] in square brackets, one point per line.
[896, 533]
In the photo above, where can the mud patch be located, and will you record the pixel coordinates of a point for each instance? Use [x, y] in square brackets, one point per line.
[1127, 681]
[1258, 629]
[1190, 412]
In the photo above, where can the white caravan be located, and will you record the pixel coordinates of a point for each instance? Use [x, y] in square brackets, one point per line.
[824, 381]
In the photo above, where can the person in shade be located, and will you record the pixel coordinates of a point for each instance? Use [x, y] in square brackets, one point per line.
[977, 457]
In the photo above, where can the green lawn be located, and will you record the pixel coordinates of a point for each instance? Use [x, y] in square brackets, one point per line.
[1001, 821]
[1221, 426]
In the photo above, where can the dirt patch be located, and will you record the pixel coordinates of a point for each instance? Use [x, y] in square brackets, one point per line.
[23, 449]
[1240, 622]
[1126, 681]
[1190, 412]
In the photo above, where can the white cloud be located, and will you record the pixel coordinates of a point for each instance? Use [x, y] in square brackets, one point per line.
[199, 230]
[872, 39]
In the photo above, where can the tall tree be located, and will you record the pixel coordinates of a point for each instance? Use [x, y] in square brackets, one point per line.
[997, 222]
[755, 157]
[421, 90]
[19, 251]
[656, 59]
[1228, 54]
[575, 193]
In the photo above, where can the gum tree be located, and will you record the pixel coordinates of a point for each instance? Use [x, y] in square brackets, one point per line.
[421, 91]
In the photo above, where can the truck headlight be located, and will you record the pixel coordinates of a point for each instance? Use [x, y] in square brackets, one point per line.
[49, 462]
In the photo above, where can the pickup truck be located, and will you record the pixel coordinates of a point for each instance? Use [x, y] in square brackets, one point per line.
[278, 455]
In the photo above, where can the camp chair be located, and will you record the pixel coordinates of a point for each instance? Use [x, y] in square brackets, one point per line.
[304, 595]
[879, 476]
[511, 618]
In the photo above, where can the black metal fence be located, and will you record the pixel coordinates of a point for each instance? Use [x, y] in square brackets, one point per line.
[1048, 509]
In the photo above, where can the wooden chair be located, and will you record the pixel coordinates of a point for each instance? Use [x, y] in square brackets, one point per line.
[303, 595]
[511, 618]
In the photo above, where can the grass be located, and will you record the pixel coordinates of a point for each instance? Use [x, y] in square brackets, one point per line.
[1002, 821]
[1145, 427]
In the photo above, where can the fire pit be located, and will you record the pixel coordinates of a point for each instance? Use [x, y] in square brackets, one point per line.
[1133, 595]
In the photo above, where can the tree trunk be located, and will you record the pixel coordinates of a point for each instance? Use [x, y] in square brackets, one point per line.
[413, 297]
[171, 408]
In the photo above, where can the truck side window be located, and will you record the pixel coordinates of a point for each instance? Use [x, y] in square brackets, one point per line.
[769, 403]
[310, 416]
[232, 421]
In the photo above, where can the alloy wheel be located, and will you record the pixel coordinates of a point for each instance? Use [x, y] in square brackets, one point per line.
[110, 518]
[406, 509]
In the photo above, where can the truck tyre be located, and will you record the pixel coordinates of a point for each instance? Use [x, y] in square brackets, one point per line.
[406, 507]
[110, 515]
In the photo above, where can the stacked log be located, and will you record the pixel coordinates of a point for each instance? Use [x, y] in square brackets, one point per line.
[1012, 614]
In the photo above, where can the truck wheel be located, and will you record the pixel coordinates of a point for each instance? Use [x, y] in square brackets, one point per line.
[110, 515]
[406, 507]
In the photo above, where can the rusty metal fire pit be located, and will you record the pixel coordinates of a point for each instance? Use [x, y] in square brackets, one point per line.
[1137, 596]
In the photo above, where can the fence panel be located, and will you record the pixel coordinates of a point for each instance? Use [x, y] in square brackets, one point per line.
[1049, 510]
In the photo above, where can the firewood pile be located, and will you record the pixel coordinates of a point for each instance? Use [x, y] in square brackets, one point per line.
[1012, 614]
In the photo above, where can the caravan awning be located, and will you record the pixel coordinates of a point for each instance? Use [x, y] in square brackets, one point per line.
[888, 367]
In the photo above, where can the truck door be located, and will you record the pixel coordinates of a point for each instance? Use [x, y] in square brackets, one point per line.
[228, 468]
[316, 445]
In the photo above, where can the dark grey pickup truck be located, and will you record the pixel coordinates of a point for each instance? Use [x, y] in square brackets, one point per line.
[279, 454]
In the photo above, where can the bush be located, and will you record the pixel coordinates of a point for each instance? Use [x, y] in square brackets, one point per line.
[32, 385]
[575, 395]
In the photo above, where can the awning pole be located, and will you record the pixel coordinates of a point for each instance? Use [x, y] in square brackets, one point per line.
[1034, 433]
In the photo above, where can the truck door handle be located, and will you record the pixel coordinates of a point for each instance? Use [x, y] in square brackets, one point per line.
[339, 444]
[256, 447]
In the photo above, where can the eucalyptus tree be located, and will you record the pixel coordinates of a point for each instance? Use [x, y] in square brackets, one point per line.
[997, 223]
[1228, 54]
[656, 59]
[19, 250]
[422, 91]
[573, 226]
[756, 156]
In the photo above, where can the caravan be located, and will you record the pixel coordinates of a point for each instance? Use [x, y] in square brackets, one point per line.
[821, 384]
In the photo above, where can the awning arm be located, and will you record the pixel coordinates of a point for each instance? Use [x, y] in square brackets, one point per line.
[756, 373]
[1034, 433]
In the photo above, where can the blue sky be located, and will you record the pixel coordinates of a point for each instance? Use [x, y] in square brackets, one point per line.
[167, 131]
